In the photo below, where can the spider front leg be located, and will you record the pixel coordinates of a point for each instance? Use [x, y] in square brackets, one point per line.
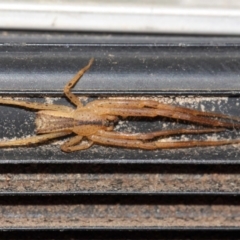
[140, 104]
[151, 113]
[33, 140]
[74, 144]
[53, 107]
[34, 105]
[72, 98]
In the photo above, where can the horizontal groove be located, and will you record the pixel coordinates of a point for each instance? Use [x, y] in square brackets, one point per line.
[120, 183]
[104, 179]
[66, 39]
[133, 68]
[123, 215]
[125, 44]
[123, 161]
[51, 152]
[94, 194]
[109, 93]
[197, 229]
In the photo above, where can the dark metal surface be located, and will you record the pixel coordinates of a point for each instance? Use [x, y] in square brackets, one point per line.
[120, 69]
[107, 191]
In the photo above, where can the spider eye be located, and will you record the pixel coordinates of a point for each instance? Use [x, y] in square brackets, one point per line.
[108, 123]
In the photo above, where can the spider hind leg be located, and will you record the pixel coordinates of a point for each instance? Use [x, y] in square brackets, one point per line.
[154, 145]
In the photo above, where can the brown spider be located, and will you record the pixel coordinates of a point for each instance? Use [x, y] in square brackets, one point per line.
[95, 122]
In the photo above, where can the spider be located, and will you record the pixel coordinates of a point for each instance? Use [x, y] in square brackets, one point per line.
[95, 122]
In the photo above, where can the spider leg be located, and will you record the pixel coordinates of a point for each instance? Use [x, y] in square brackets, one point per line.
[153, 145]
[32, 140]
[34, 105]
[151, 135]
[73, 98]
[131, 103]
[71, 145]
[150, 112]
